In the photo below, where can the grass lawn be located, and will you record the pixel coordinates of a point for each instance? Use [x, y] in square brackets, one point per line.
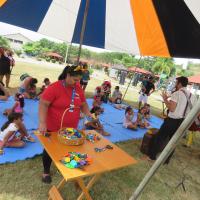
[22, 180]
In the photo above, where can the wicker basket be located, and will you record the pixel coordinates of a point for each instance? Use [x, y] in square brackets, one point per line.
[71, 142]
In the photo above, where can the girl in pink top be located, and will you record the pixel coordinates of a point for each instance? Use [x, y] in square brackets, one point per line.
[18, 106]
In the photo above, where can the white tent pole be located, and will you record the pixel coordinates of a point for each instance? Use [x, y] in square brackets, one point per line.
[168, 149]
[131, 78]
[83, 28]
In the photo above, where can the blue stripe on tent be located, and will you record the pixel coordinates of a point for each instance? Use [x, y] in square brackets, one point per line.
[23, 13]
[95, 26]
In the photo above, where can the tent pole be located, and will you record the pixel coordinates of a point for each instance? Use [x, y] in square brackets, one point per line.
[66, 53]
[83, 29]
[168, 149]
[131, 78]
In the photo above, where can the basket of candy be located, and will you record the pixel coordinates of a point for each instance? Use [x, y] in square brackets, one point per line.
[76, 160]
[71, 136]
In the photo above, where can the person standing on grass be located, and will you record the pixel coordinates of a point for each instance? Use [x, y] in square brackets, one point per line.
[4, 66]
[61, 102]
[147, 89]
[4, 94]
[177, 105]
[85, 77]
[12, 64]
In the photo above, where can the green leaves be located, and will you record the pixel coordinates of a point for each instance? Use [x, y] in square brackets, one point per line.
[4, 42]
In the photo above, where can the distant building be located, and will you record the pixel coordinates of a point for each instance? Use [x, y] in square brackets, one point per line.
[17, 40]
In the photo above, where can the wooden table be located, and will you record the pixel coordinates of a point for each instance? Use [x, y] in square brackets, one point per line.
[101, 161]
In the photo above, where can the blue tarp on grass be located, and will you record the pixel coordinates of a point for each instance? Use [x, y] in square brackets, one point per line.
[111, 119]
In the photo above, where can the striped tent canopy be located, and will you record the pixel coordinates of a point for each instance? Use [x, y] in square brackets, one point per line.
[163, 28]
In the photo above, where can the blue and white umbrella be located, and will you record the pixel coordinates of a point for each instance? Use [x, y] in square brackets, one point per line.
[142, 27]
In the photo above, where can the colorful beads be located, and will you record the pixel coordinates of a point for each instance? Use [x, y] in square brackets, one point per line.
[76, 160]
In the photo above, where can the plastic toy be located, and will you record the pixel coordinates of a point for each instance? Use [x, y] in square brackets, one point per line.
[76, 160]
[104, 148]
[92, 137]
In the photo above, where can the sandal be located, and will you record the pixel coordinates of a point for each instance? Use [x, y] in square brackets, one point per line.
[105, 133]
[28, 139]
[46, 179]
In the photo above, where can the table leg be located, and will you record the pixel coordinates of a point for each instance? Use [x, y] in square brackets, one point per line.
[61, 184]
[85, 189]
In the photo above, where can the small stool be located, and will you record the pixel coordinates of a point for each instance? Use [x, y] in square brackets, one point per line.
[54, 194]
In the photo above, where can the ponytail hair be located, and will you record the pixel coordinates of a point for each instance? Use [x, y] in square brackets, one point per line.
[128, 109]
[94, 109]
[20, 97]
[33, 81]
[11, 118]
[73, 70]
[1, 82]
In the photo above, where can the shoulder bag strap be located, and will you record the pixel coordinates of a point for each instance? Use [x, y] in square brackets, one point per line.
[188, 102]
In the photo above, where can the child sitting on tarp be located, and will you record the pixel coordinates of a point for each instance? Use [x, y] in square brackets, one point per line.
[116, 96]
[128, 119]
[141, 120]
[32, 91]
[45, 86]
[147, 113]
[28, 86]
[97, 101]
[18, 106]
[118, 103]
[94, 123]
[97, 90]
[106, 90]
[9, 130]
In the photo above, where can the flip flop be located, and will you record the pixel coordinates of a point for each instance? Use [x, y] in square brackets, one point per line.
[1, 152]
[28, 139]
[105, 133]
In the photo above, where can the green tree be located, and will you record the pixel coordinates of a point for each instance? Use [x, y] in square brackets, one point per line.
[116, 61]
[40, 47]
[4, 42]
[182, 72]
[163, 66]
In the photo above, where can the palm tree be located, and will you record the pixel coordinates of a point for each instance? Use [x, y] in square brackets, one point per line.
[163, 66]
